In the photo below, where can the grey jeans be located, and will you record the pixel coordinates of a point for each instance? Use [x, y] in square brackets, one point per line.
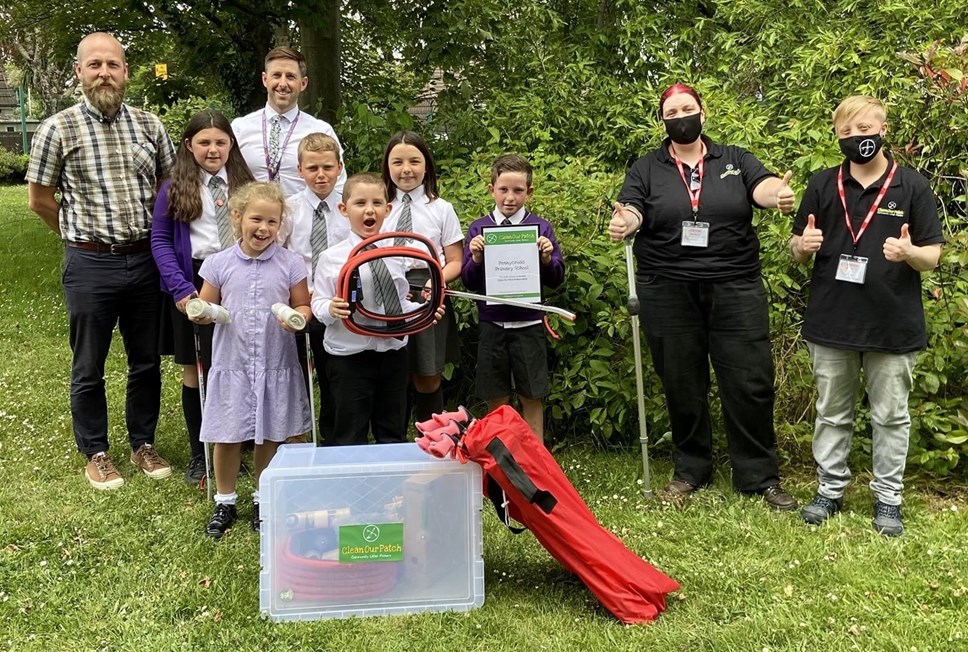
[837, 375]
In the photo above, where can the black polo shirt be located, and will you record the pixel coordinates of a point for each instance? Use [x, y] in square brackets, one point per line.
[885, 314]
[653, 186]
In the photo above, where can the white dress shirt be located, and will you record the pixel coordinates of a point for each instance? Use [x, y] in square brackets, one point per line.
[436, 220]
[297, 230]
[253, 142]
[203, 232]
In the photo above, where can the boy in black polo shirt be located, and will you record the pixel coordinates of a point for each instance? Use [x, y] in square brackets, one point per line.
[872, 227]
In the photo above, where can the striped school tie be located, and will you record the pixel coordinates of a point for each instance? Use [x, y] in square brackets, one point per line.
[225, 235]
[405, 223]
[386, 291]
[317, 238]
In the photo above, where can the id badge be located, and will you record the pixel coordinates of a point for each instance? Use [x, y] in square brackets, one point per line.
[851, 269]
[695, 234]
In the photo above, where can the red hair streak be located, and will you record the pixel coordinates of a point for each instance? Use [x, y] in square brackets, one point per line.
[678, 87]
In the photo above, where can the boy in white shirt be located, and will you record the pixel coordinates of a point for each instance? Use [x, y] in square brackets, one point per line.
[368, 375]
[316, 225]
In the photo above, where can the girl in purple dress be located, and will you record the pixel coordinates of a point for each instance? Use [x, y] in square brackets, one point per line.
[255, 386]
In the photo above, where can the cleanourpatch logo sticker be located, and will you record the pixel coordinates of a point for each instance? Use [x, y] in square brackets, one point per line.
[370, 542]
[507, 236]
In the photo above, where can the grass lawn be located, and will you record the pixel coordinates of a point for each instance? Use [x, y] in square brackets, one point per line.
[131, 570]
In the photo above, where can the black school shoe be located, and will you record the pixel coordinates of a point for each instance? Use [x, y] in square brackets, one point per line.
[222, 519]
[196, 470]
[256, 521]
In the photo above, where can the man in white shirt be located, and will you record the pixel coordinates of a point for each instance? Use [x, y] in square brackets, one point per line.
[269, 138]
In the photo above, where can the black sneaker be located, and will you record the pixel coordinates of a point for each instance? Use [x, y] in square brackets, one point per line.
[256, 521]
[196, 470]
[887, 519]
[820, 509]
[222, 519]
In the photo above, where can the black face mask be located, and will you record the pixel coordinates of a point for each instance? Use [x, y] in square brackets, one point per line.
[684, 130]
[861, 149]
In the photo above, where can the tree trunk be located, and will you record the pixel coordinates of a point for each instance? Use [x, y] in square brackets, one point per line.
[320, 44]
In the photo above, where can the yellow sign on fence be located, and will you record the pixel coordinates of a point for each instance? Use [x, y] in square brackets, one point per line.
[161, 70]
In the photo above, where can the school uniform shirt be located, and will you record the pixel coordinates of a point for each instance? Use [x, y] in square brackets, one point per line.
[297, 228]
[472, 274]
[252, 134]
[338, 340]
[654, 186]
[434, 219]
[885, 314]
[203, 232]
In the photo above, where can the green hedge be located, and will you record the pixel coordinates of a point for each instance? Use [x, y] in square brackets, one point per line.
[13, 167]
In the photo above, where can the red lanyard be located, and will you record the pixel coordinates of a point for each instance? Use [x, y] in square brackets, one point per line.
[874, 206]
[693, 197]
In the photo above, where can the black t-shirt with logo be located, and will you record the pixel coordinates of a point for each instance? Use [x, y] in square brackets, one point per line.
[654, 186]
[885, 314]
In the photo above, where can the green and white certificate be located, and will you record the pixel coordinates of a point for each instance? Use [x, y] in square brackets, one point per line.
[512, 262]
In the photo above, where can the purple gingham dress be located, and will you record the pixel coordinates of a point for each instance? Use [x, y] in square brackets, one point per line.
[255, 387]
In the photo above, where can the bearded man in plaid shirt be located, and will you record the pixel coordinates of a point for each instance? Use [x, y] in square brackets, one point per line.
[106, 159]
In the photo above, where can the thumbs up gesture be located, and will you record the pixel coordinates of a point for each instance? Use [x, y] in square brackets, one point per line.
[784, 194]
[812, 237]
[624, 221]
[898, 250]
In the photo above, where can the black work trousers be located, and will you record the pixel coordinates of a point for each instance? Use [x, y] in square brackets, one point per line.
[689, 324]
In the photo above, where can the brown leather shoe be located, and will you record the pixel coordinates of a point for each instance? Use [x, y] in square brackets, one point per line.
[679, 488]
[778, 499]
[676, 491]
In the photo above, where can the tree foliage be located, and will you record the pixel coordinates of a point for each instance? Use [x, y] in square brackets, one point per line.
[574, 84]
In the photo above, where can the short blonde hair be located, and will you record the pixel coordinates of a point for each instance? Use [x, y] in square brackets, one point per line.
[318, 142]
[268, 191]
[856, 105]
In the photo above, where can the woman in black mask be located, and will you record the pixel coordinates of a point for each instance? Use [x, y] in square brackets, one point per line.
[689, 205]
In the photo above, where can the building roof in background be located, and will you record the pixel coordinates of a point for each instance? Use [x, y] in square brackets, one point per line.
[8, 96]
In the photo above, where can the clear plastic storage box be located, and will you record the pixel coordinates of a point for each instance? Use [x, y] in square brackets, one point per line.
[368, 531]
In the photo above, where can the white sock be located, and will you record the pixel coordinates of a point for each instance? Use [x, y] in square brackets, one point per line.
[226, 499]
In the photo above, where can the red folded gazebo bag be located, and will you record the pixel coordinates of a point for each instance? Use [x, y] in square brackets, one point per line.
[536, 492]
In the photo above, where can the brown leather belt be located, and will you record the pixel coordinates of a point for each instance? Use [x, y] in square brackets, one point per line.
[117, 249]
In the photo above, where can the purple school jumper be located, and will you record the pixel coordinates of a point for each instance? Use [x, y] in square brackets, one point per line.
[171, 246]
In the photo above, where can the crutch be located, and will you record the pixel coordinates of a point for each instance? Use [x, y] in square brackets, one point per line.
[207, 480]
[633, 308]
[309, 383]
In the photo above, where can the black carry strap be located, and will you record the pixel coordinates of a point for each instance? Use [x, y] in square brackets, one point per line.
[519, 480]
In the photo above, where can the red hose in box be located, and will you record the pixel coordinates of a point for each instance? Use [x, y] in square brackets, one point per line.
[320, 580]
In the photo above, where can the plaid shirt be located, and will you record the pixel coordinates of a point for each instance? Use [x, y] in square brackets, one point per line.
[106, 170]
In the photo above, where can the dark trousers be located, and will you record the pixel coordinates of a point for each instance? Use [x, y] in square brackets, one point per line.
[370, 391]
[689, 324]
[103, 291]
[327, 408]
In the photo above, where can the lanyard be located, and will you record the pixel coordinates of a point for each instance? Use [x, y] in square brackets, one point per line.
[274, 170]
[870, 214]
[693, 197]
